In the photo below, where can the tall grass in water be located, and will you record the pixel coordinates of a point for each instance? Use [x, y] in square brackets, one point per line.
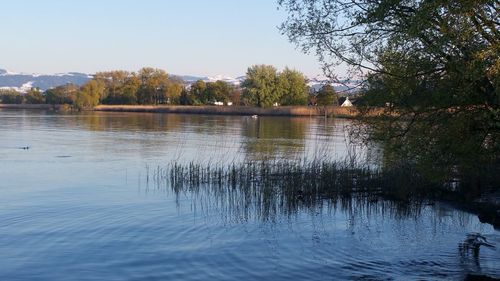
[266, 188]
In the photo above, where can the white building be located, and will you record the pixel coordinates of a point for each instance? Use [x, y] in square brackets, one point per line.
[347, 102]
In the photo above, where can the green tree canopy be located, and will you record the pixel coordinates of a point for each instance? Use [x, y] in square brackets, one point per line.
[10, 97]
[197, 92]
[218, 91]
[436, 62]
[327, 96]
[153, 85]
[34, 96]
[261, 85]
[120, 87]
[172, 90]
[156, 87]
[90, 94]
[292, 87]
[65, 94]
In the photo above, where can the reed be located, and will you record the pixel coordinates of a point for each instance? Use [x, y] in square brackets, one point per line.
[328, 111]
[291, 181]
[268, 189]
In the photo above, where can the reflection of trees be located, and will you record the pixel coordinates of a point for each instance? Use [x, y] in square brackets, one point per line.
[151, 122]
[451, 152]
[130, 122]
[274, 137]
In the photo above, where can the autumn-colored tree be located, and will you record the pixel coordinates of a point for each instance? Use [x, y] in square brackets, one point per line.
[89, 94]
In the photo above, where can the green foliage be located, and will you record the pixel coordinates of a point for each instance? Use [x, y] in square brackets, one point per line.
[120, 87]
[261, 86]
[10, 97]
[90, 94]
[65, 94]
[218, 91]
[435, 63]
[292, 87]
[152, 87]
[34, 96]
[173, 90]
[235, 96]
[197, 92]
[417, 53]
[156, 87]
[264, 86]
[208, 93]
[185, 98]
[327, 96]
[148, 86]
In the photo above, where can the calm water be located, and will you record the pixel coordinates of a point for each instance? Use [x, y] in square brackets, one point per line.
[77, 205]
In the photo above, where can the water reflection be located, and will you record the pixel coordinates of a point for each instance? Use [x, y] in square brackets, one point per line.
[101, 214]
[274, 137]
[354, 234]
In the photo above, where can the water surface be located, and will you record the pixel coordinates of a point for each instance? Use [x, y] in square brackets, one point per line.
[77, 205]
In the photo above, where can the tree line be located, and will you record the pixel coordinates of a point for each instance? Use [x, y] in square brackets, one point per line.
[263, 86]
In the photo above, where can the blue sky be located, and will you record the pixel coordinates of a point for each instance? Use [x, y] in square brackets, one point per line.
[198, 37]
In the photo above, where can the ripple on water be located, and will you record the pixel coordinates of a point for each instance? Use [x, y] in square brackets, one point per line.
[80, 219]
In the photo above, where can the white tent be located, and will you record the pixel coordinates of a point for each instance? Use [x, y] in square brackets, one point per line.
[347, 102]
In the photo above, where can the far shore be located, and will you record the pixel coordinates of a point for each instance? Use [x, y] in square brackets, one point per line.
[329, 111]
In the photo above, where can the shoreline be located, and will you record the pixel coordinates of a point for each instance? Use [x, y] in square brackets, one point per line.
[327, 111]
[33, 106]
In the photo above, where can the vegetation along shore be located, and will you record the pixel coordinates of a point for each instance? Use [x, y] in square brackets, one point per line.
[329, 111]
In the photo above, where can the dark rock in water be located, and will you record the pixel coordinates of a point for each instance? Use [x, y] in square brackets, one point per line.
[473, 277]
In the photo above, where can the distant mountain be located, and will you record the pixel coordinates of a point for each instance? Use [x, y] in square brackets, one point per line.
[345, 87]
[189, 79]
[23, 81]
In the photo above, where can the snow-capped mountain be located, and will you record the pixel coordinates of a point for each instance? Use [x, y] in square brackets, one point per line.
[346, 86]
[24, 81]
[189, 79]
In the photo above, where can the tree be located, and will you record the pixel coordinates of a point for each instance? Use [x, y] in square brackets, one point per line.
[152, 83]
[90, 94]
[261, 85]
[218, 91]
[197, 92]
[10, 97]
[185, 98]
[327, 96]
[120, 87]
[235, 96]
[34, 96]
[172, 90]
[293, 87]
[65, 94]
[423, 53]
[129, 89]
[435, 62]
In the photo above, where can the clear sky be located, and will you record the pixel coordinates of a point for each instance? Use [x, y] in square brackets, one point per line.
[197, 37]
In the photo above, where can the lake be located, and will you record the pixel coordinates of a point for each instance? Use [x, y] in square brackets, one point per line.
[79, 204]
